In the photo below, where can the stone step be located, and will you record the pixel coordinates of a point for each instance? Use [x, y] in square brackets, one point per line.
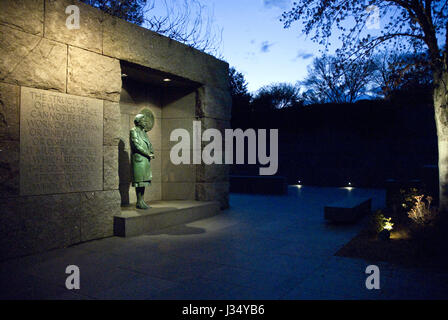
[162, 214]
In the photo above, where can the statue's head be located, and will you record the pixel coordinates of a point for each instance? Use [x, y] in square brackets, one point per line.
[140, 121]
[145, 119]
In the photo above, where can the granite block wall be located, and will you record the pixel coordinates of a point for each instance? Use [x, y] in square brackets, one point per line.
[38, 52]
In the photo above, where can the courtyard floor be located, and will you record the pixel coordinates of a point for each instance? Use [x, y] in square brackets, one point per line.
[263, 247]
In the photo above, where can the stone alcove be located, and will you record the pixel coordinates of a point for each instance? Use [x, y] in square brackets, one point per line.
[173, 101]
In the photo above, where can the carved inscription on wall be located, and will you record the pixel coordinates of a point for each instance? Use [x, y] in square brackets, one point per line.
[61, 143]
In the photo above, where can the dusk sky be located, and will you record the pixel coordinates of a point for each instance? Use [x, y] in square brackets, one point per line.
[256, 44]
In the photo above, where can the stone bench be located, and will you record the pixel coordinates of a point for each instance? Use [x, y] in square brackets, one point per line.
[348, 210]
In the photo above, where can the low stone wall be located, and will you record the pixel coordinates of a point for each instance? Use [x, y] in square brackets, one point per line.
[38, 51]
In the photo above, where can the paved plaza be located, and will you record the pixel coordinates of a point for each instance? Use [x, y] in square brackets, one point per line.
[263, 247]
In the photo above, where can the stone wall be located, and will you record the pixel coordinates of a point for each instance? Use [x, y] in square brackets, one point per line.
[178, 180]
[38, 51]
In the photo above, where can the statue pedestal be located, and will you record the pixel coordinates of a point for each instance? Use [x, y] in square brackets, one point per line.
[162, 214]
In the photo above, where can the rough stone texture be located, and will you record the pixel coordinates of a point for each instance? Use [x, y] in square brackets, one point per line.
[111, 179]
[61, 143]
[25, 15]
[112, 120]
[178, 191]
[9, 112]
[443, 174]
[88, 36]
[93, 75]
[97, 211]
[124, 162]
[31, 60]
[168, 125]
[132, 43]
[220, 124]
[124, 132]
[208, 171]
[134, 108]
[211, 123]
[176, 173]
[153, 192]
[441, 117]
[183, 107]
[9, 168]
[156, 166]
[138, 95]
[214, 103]
[70, 61]
[212, 172]
[37, 223]
[213, 191]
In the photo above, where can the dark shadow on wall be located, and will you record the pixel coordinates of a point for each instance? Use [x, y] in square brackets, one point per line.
[124, 173]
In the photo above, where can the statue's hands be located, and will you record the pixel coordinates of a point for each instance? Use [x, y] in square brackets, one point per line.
[151, 156]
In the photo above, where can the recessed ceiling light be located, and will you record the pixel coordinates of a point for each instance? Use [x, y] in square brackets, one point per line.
[167, 80]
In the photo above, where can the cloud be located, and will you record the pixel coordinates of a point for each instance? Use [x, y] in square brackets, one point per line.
[303, 55]
[250, 55]
[265, 46]
[282, 4]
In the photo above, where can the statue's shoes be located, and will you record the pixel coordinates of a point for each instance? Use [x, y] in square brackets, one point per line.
[142, 205]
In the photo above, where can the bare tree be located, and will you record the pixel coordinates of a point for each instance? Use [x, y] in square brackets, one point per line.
[401, 72]
[186, 21]
[277, 96]
[238, 89]
[333, 80]
[129, 10]
[412, 25]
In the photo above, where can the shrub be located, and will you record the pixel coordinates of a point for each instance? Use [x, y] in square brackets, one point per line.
[378, 222]
[422, 213]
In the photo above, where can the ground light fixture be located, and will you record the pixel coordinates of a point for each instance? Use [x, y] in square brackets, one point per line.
[349, 186]
[387, 225]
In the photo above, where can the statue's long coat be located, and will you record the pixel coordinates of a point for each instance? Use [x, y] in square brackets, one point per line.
[141, 149]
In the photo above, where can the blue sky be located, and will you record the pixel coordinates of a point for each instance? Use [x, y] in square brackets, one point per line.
[254, 40]
[256, 44]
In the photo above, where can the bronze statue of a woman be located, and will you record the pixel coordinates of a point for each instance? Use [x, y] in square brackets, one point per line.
[141, 155]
